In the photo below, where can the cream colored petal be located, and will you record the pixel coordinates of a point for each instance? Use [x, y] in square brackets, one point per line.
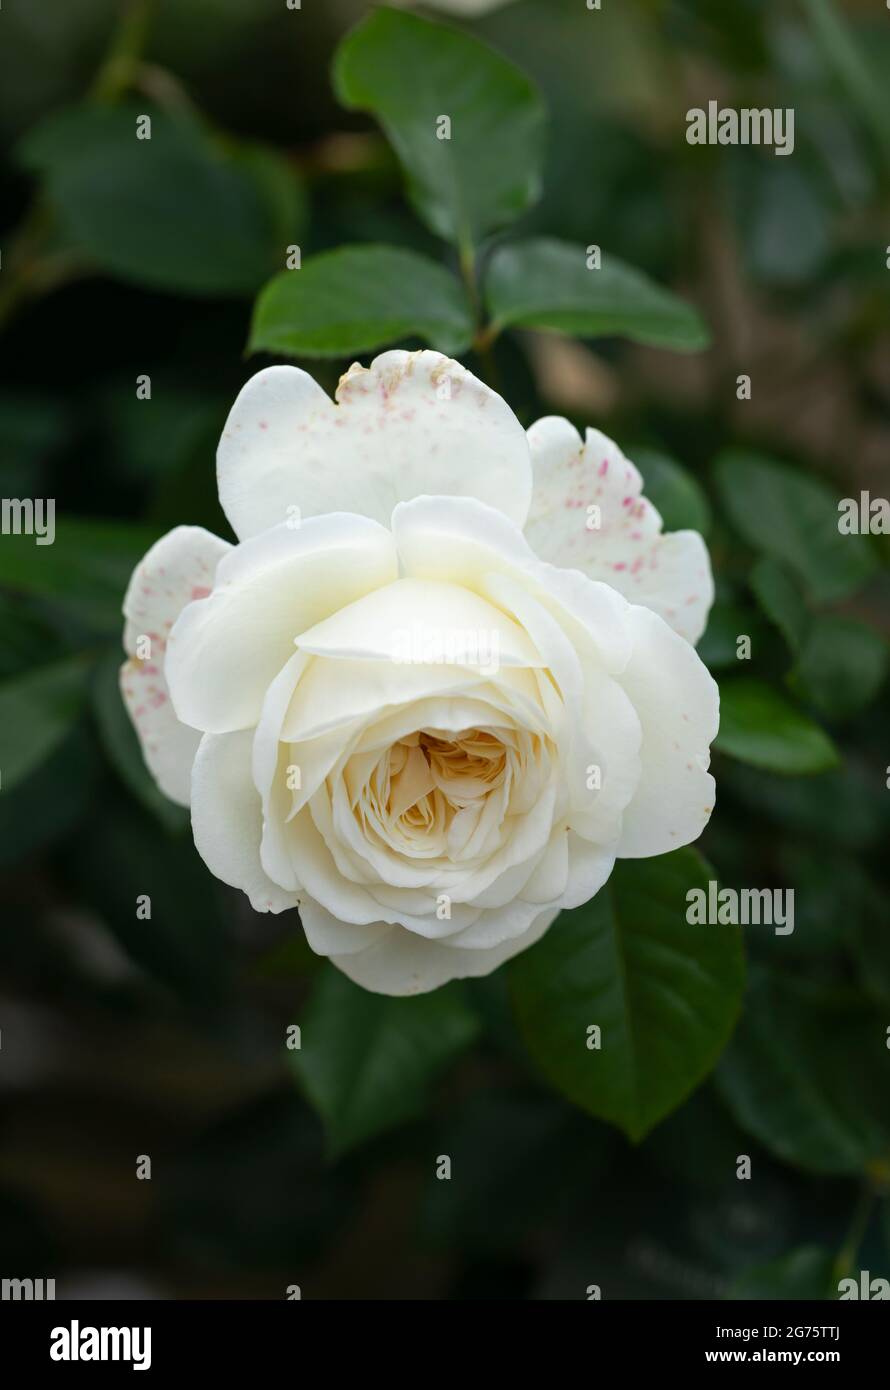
[401, 963]
[678, 705]
[224, 652]
[227, 820]
[178, 569]
[588, 513]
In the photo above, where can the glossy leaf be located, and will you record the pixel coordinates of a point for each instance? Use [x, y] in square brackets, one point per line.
[673, 491]
[177, 211]
[360, 298]
[367, 1060]
[546, 283]
[125, 865]
[793, 518]
[37, 710]
[727, 622]
[808, 1074]
[85, 570]
[761, 727]
[52, 799]
[842, 666]
[781, 601]
[663, 992]
[410, 73]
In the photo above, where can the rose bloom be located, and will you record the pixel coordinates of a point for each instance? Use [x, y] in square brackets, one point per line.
[442, 681]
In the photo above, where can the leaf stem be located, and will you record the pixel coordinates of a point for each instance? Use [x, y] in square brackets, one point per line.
[485, 333]
[27, 272]
[118, 70]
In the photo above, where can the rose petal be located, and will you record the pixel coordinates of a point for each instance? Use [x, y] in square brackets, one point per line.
[671, 574]
[401, 963]
[354, 902]
[227, 819]
[329, 937]
[411, 423]
[395, 623]
[678, 704]
[179, 568]
[457, 540]
[225, 651]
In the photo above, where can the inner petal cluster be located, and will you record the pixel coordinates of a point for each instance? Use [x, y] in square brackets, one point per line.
[440, 795]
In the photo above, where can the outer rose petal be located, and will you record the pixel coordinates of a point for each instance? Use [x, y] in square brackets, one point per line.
[225, 651]
[460, 541]
[178, 569]
[227, 820]
[380, 626]
[671, 574]
[678, 704]
[411, 423]
[402, 963]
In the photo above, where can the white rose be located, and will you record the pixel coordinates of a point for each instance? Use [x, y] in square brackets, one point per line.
[391, 704]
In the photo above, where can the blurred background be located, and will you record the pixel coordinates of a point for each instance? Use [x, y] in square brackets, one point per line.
[165, 1038]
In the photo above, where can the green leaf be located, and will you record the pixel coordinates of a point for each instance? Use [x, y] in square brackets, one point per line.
[545, 283]
[280, 190]
[48, 804]
[664, 993]
[794, 519]
[673, 491]
[119, 858]
[829, 892]
[863, 83]
[37, 710]
[360, 298]
[409, 72]
[781, 601]
[808, 1273]
[178, 211]
[727, 622]
[759, 726]
[808, 1074]
[85, 570]
[842, 666]
[856, 793]
[26, 639]
[367, 1060]
[121, 744]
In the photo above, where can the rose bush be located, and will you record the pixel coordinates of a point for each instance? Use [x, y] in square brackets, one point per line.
[443, 680]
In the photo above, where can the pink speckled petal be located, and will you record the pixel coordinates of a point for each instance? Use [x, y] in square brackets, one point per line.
[178, 570]
[671, 574]
[411, 423]
[224, 652]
